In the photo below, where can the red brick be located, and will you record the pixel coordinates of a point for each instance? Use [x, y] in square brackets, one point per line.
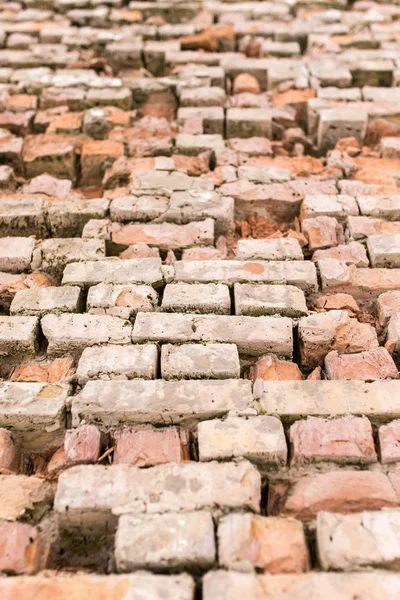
[83, 445]
[246, 83]
[47, 154]
[96, 157]
[9, 453]
[389, 442]
[346, 440]
[147, 447]
[322, 232]
[20, 548]
[272, 369]
[335, 491]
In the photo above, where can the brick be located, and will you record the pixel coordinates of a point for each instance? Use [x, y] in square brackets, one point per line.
[70, 334]
[302, 274]
[384, 250]
[368, 366]
[9, 452]
[139, 402]
[16, 254]
[335, 124]
[143, 181]
[67, 218]
[389, 442]
[187, 143]
[35, 412]
[269, 249]
[197, 298]
[22, 212]
[20, 549]
[252, 335]
[83, 444]
[117, 362]
[257, 300]
[294, 399]
[44, 154]
[212, 116]
[272, 369]
[49, 300]
[200, 361]
[121, 300]
[18, 336]
[149, 447]
[339, 206]
[24, 497]
[336, 491]
[152, 587]
[258, 439]
[334, 330]
[382, 207]
[352, 253]
[393, 332]
[164, 235]
[228, 585]
[361, 227]
[162, 542]
[271, 544]
[322, 232]
[51, 256]
[386, 305]
[114, 271]
[96, 156]
[54, 371]
[350, 542]
[190, 486]
[248, 122]
[344, 440]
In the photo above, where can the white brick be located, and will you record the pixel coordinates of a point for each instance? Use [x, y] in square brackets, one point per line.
[200, 361]
[118, 362]
[16, 254]
[256, 300]
[42, 301]
[114, 270]
[269, 249]
[197, 298]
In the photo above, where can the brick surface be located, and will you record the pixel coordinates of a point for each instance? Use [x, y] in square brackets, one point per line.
[149, 447]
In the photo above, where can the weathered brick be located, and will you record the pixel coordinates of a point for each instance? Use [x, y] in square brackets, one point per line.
[269, 249]
[350, 542]
[369, 365]
[384, 250]
[345, 440]
[121, 300]
[117, 362]
[148, 447]
[85, 274]
[42, 301]
[276, 545]
[197, 298]
[18, 336]
[138, 401]
[51, 256]
[257, 300]
[10, 455]
[389, 442]
[200, 361]
[16, 254]
[259, 439]
[162, 542]
[24, 497]
[20, 550]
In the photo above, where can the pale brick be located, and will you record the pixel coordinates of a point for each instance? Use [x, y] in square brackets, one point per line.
[256, 300]
[361, 227]
[269, 249]
[345, 440]
[337, 491]
[121, 300]
[228, 585]
[382, 207]
[294, 399]
[200, 361]
[322, 232]
[367, 539]
[67, 218]
[16, 254]
[352, 253]
[389, 442]
[21, 548]
[35, 412]
[275, 545]
[161, 181]
[24, 497]
[339, 206]
[212, 116]
[192, 145]
[197, 298]
[302, 274]
[10, 456]
[23, 213]
[384, 250]
[162, 542]
[335, 124]
[83, 501]
[112, 270]
[83, 444]
[51, 256]
[252, 335]
[158, 402]
[70, 334]
[42, 301]
[248, 122]
[260, 439]
[18, 336]
[164, 235]
[393, 333]
[386, 305]
[117, 362]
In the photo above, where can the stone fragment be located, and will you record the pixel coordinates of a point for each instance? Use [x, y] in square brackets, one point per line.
[345, 440]
[43, 372]
[322, 232]
[165, 542]
[384, 250]
[149, 447]
[259, 439]
[117, 362]
[9, 453]
[271, 544]
[200, 361]
[386, 305]
[393, 332]
[389, 442]
[343, 302]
